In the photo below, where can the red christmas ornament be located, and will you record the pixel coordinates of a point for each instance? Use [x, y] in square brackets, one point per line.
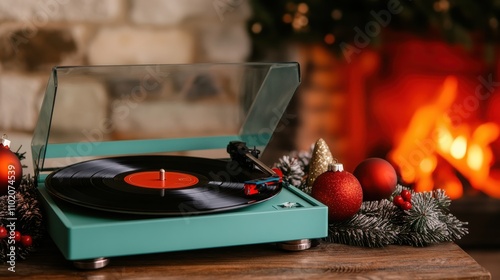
[340, 191]
[377, 177]
[11, 170]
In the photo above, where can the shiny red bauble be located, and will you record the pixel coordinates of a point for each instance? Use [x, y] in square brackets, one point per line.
[11, 170]
[340, 191]
[377, 177]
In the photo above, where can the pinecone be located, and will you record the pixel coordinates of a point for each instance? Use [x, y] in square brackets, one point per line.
[303, 157]
[28, 218]
[292, 171]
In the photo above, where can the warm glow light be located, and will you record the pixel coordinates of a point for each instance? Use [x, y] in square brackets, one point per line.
[303, 8]
[336, 14]
[256, 28]
[475, 157]
[444, 139]
[407, 174]
[287, 18]
[329, 38]
[453, 189]
[427, 165]
[441, 6]
[458, 147]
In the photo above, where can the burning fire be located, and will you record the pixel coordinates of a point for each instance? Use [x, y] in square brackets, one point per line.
[432, 149]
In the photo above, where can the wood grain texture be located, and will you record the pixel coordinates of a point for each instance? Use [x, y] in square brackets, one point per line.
[265, 261]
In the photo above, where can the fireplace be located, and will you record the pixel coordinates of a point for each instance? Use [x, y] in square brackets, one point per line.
[429, 107]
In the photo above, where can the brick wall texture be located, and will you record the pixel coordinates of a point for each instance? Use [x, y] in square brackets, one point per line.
[36, 35]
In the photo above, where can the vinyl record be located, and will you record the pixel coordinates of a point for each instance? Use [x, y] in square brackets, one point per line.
[132, 184]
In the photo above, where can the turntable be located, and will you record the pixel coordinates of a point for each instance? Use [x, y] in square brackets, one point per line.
[167, 156]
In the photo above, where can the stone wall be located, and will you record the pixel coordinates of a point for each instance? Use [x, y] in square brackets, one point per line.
[37, 35]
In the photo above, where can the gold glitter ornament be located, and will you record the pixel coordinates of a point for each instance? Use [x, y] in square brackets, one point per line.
[320, 159]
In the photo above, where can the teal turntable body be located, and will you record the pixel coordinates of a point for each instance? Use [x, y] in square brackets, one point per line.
[106, 111]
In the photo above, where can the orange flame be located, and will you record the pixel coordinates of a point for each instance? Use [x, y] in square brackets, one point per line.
[430, 133]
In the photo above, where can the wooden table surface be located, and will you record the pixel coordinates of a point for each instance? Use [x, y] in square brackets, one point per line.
[265, 261]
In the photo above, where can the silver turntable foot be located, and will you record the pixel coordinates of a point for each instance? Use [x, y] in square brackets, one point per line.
[295, 245]
[91, 264]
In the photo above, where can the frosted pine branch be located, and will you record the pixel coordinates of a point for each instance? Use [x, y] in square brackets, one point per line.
[370, 227]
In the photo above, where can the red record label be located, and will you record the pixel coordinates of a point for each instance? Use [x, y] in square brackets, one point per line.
[151, 180]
